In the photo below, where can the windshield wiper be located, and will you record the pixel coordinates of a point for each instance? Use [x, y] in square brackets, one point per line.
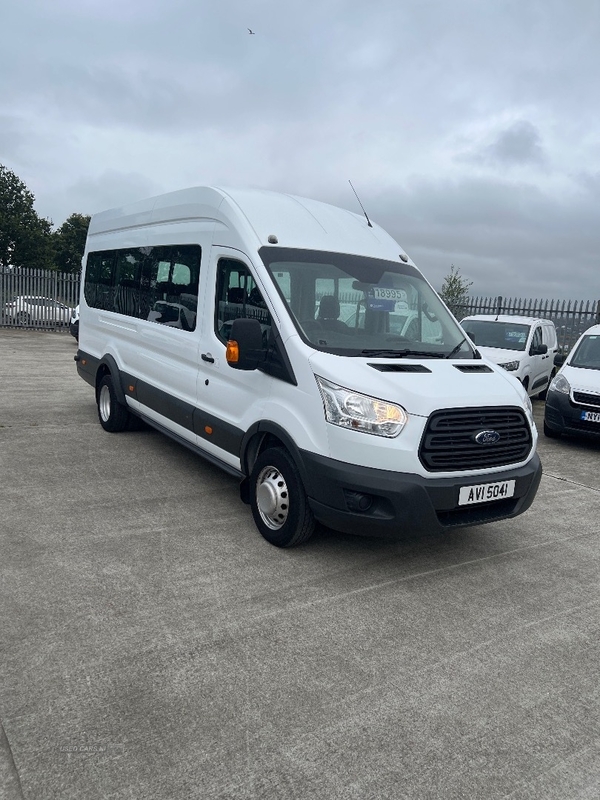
[402, 353]
[457, 348]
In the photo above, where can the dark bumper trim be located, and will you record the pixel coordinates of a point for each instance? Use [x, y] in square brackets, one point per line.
[563, 416]
[405, 504]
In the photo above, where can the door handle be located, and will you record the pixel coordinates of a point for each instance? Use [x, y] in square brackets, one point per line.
[207, 357]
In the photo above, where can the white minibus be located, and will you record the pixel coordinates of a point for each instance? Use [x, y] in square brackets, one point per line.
[259, 330]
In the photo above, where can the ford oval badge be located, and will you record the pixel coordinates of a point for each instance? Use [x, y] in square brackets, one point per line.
[487, 437]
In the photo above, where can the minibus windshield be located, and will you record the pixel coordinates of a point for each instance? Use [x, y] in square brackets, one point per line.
[587, 355]
[358, 306]
[504, 335]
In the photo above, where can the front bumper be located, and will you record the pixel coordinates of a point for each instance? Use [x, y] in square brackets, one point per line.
[406, 504]
[562, 415]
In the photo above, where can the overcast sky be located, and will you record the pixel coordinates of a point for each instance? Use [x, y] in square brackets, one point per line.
[470, 129]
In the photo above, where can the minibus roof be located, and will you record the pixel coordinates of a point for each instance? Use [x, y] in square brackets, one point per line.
[253, 216]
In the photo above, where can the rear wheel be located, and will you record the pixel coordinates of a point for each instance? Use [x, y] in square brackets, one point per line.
[113, 416]
[279, 503]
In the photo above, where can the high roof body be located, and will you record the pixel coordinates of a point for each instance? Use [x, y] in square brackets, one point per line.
[251, 216]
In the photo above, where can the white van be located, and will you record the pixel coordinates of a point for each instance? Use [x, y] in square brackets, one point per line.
[361, 428]
[573, 401]
[524, 346]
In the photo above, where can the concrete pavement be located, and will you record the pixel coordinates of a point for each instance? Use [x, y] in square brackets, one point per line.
[153, 645]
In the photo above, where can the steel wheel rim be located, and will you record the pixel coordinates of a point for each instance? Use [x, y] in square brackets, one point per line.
[272, 498]
[104, 404]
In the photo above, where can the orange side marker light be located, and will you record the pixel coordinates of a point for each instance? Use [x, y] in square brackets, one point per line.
[233, 352]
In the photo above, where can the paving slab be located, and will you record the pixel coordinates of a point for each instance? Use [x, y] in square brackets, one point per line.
[153, 645]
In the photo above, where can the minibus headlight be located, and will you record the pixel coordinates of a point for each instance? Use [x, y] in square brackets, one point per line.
[528, 406]
[560, 384]
[359, 412]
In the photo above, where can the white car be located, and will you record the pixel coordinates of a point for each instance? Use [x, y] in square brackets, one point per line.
[573, 401]
[25, 310]
[524, 346]
[405, 324]
[74, 323]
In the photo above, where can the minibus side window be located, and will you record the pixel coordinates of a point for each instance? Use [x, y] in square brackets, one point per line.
[99, 280]
[169, 286]
[127, 282]
[238, 297]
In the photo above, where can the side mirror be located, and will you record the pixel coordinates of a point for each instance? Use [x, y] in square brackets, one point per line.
[245, 345]
[540, 350]
[559, 359]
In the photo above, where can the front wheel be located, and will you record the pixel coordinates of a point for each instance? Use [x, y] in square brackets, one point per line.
[544, 393]
[279, 503]
[113, 416]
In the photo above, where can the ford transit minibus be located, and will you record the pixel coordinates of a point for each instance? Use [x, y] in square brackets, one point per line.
[262, 331]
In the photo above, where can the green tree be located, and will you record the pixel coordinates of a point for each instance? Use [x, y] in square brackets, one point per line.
[69, 243]
[25, 237]
[455, 292]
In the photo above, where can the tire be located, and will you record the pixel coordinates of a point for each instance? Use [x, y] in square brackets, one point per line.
[113, 416]
[526, 384]
[23, 318]
[550, 433]
[544, 393]
[278, 500]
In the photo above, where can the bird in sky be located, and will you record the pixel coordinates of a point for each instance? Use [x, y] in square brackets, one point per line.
[251, 32]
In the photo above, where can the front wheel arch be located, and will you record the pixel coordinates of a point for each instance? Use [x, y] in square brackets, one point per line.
[278, 499]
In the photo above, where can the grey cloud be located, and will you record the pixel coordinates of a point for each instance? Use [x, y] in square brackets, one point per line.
[510, 240]
[518, 145]
[91, 195]
[107, 102]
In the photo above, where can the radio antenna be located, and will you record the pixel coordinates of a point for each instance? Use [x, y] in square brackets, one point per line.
[360, 204]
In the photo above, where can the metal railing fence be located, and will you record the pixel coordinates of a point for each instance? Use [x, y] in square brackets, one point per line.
[36, 298]
[19, 287]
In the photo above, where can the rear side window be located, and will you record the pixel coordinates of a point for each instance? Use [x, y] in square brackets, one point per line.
[157, 284]
[100, 280]
[549, 336]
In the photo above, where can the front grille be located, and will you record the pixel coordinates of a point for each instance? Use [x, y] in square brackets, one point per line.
[448, 443]
[477, 515]
[587, 399]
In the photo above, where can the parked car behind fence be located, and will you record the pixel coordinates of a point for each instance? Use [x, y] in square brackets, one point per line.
[25, 310]
[34, 298]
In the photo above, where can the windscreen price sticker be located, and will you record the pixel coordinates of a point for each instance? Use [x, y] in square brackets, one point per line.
[590, 416]
[381, 293]
[485, 492]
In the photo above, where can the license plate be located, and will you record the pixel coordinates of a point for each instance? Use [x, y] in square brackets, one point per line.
[484, 492]
[590, 416]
